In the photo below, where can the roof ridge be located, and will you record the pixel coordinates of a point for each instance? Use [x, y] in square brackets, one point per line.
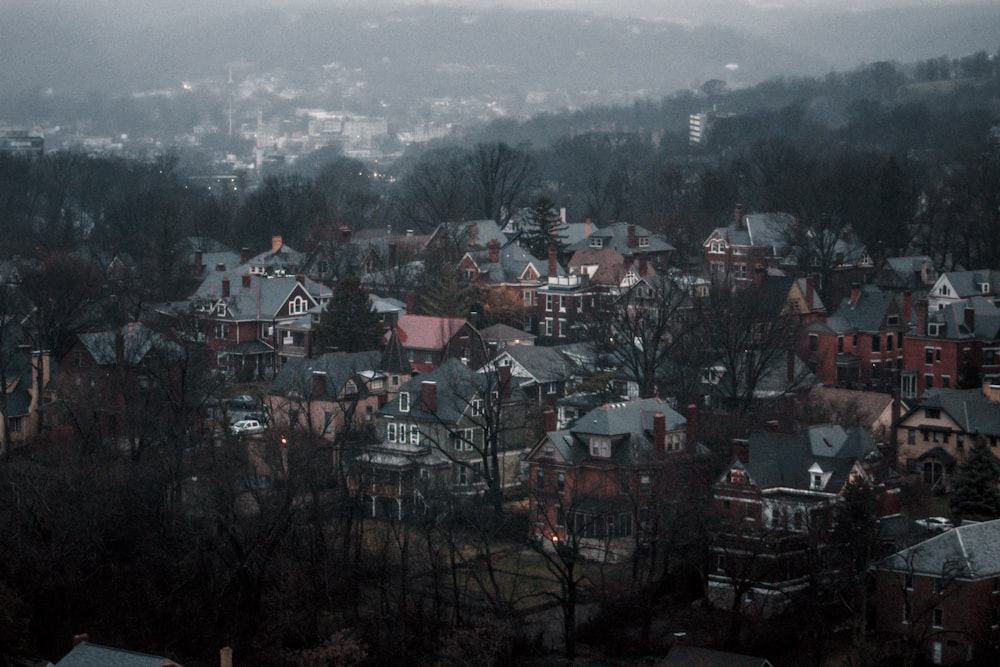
[965, 554]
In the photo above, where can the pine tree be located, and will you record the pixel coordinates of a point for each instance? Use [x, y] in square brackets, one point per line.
[348, 322]
[975, 494]
[544, 229]
[445, 292]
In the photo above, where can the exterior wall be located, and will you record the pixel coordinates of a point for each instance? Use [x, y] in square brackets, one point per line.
[945, 368]
[968, 612]
[920, 432]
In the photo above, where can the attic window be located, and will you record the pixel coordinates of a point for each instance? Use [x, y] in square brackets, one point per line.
[984, 288]
[892, 320]
[933, 328]
[596, 242]
[600, 447]
[643, 241]
[817, 481]
[717, 247]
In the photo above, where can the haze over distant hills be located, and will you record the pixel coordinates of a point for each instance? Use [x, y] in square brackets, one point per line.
[397, 52]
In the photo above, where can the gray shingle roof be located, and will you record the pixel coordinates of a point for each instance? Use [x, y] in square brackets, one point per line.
[259, 298]
[615, 236]
[971, 551]
[973, 411]
[339, 367]
[867, 314]
[137, 342]
[86, 654]
[457, 385]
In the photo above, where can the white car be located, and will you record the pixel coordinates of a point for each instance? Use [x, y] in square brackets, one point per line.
[247, 427]
[936, 524]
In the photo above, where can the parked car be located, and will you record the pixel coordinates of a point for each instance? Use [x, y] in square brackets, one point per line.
[936, 524]
[247, 427]
[242, 402]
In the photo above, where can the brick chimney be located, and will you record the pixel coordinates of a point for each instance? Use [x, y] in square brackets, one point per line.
[199, 265]
[741, 450]
[244, 255]
[473, 234]
[970, 317]
[318, 383]
[553, 264]
[738, 216]
[907, 307]
[855, 293]
[246, 280]
[587, 227]
[692, 427]
[411, 302]
[631, 236]
[345, 234]
[810, 291]
[226, 657]
[225, 288]
[428, 396]
[549, 420]
[660, 434]
[922, 306]
[300, 278]
[276, 244]
[494, 247]
[643, 265]
[80, 638]
[503, 374]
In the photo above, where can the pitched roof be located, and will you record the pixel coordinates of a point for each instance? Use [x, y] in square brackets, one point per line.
[513, 261]
[970, 551]
[456, 385]
[254, 296]
[137, 341]
[866, 314]
[616, 235]
[338, 367]
[974, 412]
[425, 332]
[540, 363]
[760, 230]
[783, 460]
[503, 333]
[394, 359]
[86, 654]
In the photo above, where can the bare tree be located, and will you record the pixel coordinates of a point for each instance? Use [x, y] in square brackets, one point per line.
[500, 176]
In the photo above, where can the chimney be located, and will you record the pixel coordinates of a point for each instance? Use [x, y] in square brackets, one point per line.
[226, 657]
[692, 427]
[907, 307]
[473, 234]
[923, 273]
[244, 255]
[810, 291]
[411, 300]
[553, 264]
[428, 396]
[318, 383]
[276, 244]
[345, 234]
[225, 288]
[738, 216]
[494, 247]
[549, 420]
[503, 373]
[246, 281]
[643, 265]
[300, 278]
[660, 434]
[855, 293]
[587, 228]
[562, 215]
[198, 262]
[631, 236]
[970, 317]
[922, 317]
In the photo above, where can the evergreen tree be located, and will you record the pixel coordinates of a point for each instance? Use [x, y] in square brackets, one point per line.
[348, 322]
[544, 229]
[445, 292]
[975, 494]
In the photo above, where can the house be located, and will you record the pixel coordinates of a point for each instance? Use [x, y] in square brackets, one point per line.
[600, 484]
[24, 379]
[326, 396]
[773, 502]
[512, 271]
[280, 260]
[861, 344]
[456, 238]
[201, 254]
[543, 373]
[633, 242]
[955, 345]
[564, 306]
[915, 273]
[238, 315]
[87, 654]
[499, 337]
[954, 286]
[429, 341]
[875, 411]
[940, 599]
[438, 436]
[933, 437]
[743, 250]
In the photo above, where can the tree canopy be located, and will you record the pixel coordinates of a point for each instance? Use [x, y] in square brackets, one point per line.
[348, 322]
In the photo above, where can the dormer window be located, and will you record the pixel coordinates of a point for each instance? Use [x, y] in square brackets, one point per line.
[815, 477]
[404, 401]
[643, 241]
[934, 328]
[596, 242]
[600, 447]
[984, 288]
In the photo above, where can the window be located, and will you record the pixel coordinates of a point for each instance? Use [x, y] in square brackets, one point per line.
[548, 326]
[892, 320]
[840, 344]
[938, 585]
[876, 343]
[716, 247]
[15, 424]
[938, 620]
[814, 342]
[298, 306]
[928, 382]
[548, 303]
[404, 401]
[221, 331]
[463, 439]
[932, 413]
[477, 407]
[393, 380]
[563, 327]
[414, 434]
[946, 381]
[928, 355]
[550, 387]
[907, 612]
[539, 480]
[560, 482]
[645, 484]
[908, 385]
[720, 562]
[596, 242]
[643, 241]
[528, 302]
[911, 436]
[562, 304]
[267, 330]
[390, 432]
[908, 581]
[600, 447]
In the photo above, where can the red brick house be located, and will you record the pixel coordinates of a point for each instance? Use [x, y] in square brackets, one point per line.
[564, 305]
[862, 343]
[939, 600]
[633, 243]
[598, 484]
